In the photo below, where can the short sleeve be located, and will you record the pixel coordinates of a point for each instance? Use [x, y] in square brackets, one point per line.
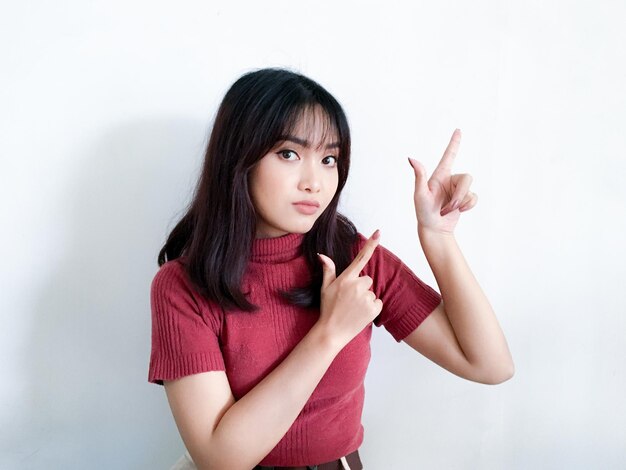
[184, 342]
[407, 300]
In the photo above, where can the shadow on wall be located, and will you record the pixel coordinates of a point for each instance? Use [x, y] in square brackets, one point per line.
[88, 397]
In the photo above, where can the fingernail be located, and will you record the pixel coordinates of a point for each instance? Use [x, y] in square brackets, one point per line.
[454, 205]
[376, 234]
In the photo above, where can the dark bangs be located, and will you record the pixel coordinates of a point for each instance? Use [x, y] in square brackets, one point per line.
[290, 100]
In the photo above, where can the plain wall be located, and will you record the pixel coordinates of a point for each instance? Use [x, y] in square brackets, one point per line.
[105, 111]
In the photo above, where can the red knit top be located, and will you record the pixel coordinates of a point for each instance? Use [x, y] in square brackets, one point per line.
[190, 334]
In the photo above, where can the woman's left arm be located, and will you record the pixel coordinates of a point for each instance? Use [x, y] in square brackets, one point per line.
[462, 334]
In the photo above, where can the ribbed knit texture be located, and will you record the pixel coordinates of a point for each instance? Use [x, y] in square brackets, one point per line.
[190, 334]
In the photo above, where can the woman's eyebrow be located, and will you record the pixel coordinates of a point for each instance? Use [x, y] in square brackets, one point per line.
[305, 143]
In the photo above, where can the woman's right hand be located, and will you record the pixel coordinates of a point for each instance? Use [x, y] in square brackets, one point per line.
[347, 303]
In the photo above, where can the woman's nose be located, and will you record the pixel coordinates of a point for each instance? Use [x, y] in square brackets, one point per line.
[310, 179]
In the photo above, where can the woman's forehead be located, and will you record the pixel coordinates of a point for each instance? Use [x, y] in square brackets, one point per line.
[315, 128]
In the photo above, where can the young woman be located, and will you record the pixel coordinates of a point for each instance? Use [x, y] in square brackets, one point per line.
[263, 306]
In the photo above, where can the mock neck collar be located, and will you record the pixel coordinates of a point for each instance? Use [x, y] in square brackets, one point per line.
[277, 249]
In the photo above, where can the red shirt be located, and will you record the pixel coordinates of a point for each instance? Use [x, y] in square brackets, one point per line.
[190, 334]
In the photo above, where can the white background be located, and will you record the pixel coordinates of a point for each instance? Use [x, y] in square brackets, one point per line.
[105, 111]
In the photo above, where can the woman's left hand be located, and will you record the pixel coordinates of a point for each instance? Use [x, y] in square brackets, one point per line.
[440, 200]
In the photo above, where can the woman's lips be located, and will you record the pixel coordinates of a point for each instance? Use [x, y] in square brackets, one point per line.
[306, 208]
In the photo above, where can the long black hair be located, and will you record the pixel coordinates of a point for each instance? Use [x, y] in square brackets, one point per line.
[217, 231]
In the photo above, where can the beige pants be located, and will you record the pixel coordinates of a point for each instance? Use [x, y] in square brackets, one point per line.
[185, 463]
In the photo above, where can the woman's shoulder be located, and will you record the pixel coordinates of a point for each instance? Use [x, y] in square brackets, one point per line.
[170, 270]
[172, 276]
[172, 279]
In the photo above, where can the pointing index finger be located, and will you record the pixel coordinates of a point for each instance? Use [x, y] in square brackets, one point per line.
[363, 256]
[445, 164]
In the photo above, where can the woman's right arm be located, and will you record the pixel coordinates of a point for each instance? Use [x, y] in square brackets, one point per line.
[220, 433]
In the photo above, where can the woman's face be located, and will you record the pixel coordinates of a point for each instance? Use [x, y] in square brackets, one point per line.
[293, 171]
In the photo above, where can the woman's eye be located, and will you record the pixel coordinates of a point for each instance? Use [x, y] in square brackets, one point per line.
[333, 157]
[284, 152]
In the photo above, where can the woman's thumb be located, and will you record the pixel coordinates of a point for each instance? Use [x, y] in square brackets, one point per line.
[420, 174]
[328, 269]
